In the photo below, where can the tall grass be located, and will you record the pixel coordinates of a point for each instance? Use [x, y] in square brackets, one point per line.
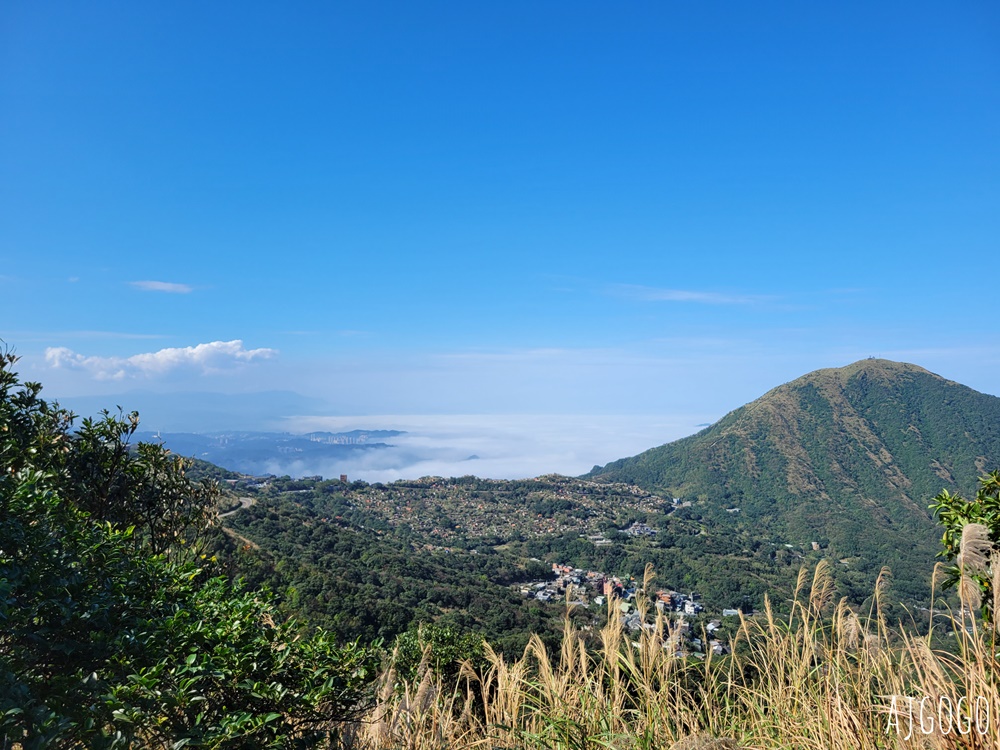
[821, 677]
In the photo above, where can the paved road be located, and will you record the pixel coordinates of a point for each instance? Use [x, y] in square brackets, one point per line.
[245, 502]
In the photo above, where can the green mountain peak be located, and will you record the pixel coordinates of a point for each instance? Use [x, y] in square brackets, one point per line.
[847, 457]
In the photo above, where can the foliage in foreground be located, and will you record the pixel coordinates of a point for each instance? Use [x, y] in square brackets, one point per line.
[971, 540]
[823, 678]
[110, 635]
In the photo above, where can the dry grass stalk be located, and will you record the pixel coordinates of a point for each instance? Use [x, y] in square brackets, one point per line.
[807, 680]
[975, 548]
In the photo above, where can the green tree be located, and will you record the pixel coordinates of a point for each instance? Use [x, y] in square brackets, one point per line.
[971, 539]
[32, 431]
[440, 648]
[107, 639]
[140, 486]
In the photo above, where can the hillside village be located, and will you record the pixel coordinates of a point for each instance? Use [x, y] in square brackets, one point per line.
[495, 509]
[618, 595]
[472, 507]
[612, 528]
[468, 507]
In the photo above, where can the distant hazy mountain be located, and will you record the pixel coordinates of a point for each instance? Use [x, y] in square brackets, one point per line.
[202, 412]
[273, 452]
[848, 458]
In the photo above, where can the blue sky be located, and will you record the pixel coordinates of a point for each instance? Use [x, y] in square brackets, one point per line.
[497, 208]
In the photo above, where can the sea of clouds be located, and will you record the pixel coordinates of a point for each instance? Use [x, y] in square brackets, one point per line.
[493, 446]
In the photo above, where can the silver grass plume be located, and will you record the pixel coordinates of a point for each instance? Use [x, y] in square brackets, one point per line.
[882, 584]
[973, 555]
[848, 626]
[821, 595]
[970, 593]
[995, 566]
[883, 581]
[972, 559]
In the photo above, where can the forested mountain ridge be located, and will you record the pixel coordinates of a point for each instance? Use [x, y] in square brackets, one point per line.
[846, 457]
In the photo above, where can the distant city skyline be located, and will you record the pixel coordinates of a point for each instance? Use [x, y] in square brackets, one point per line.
[505, 209]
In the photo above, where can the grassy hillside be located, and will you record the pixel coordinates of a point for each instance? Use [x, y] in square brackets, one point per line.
[848, 458]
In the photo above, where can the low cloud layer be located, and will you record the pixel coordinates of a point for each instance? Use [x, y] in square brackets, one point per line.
[494, 446]
[211, 358]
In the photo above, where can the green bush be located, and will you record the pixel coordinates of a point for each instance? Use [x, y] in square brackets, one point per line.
[111, 637]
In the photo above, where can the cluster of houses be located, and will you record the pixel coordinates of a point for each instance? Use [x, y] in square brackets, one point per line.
[637, 529]
[640, 529]
[247, 481]
[619, 594]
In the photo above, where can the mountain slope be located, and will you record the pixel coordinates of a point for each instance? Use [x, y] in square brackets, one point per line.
[848, 458]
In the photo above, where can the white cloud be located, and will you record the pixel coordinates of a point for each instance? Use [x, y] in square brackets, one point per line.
[654, 294]
[510, 446]
[210, 358]
[162, 286]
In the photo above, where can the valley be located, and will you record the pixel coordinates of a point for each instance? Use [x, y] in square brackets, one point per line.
[837, 466]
